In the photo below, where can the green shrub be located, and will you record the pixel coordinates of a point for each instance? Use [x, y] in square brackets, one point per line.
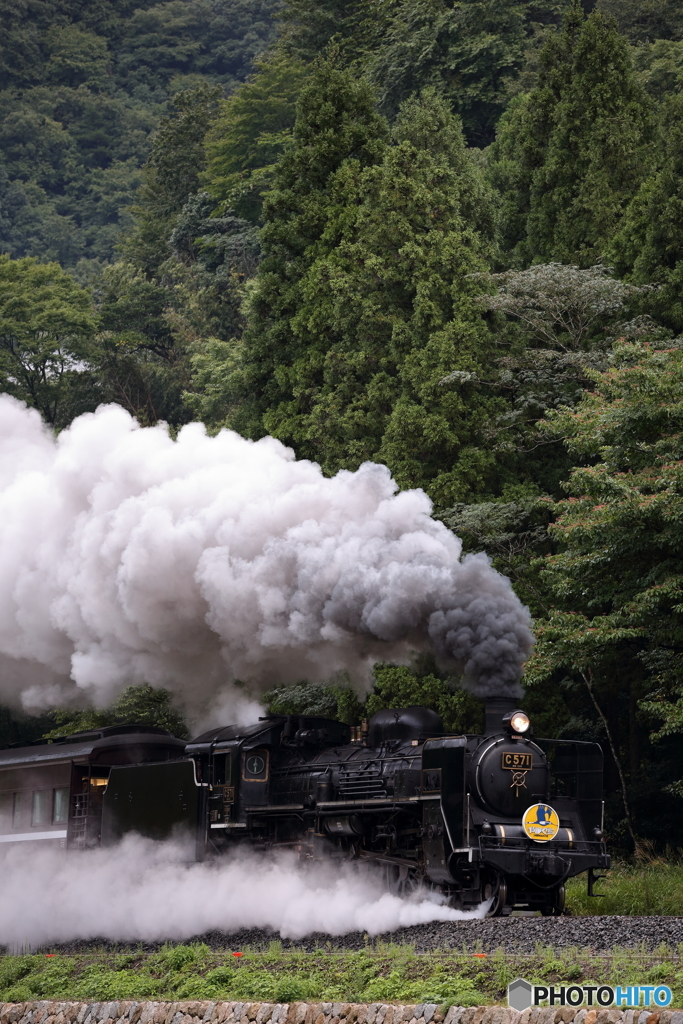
[13, 968]
[18, 994]
[290, 990]
[177, 957]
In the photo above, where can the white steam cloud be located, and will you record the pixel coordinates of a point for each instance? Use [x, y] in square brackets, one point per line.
[146, 891]
[129, 557]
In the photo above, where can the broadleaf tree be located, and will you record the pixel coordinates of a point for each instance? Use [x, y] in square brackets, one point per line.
[616, 584]
[47, 330]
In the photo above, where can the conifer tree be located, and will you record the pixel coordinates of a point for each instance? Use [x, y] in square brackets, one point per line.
[336, 122]
[170, 176]
[648, 249]
[381, 307]
[576, 150]
[523, 136]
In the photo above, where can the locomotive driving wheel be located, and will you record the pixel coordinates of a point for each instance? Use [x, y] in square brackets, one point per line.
[401, 880]
[496, 890]
[555, 905]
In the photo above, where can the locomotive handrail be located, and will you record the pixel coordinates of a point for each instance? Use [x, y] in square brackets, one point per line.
[384, 858]
[262, 808]
[380, 801]
[340, 805]
[522, 843]
[581, 743]
[372, 758]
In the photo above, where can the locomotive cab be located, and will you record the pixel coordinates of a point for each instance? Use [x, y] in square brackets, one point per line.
[254, 772]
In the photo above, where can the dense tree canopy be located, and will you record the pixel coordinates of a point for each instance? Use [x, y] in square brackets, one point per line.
[248, 136]
[141, 705]
[641, 21]
[394, 686]
[468, 52]
[82, 88]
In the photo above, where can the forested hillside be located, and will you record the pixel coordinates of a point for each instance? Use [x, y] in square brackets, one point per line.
[82, 87]
[444, 236]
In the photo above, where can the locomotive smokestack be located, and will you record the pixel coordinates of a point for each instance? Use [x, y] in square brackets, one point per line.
[495, 708]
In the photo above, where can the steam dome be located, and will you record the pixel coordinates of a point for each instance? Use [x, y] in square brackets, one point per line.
[404, 724]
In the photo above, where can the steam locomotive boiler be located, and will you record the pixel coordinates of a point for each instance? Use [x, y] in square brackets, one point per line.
[501, 818]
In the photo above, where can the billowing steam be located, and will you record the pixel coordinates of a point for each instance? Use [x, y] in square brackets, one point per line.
[128, 557]
[143, 890]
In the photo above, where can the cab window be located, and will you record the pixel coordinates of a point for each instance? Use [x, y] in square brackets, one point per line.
[222, 770]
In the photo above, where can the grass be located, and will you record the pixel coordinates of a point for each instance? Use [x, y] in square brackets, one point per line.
[379, 973]
[654, 887]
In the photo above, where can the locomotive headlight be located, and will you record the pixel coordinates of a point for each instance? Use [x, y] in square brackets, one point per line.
[519, 722]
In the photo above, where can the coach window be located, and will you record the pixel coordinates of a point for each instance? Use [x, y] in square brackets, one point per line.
[41, 808]
[17, 802]
[60, 811]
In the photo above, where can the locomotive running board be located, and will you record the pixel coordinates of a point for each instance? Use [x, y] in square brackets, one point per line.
[339, 805]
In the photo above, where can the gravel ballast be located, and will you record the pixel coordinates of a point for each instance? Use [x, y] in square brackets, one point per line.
[513, 934]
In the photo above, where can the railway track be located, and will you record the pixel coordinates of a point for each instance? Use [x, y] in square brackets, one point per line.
[513, 934]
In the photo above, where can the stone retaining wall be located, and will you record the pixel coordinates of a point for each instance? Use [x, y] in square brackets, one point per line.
[129, 1012]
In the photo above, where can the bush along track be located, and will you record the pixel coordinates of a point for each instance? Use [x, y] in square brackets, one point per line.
[375, 975]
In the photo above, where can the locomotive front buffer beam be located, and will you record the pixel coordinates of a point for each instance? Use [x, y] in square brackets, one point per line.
[552, 862]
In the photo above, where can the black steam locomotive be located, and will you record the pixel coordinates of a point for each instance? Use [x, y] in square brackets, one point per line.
[502, 817]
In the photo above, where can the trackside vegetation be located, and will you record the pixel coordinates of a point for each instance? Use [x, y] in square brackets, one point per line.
[378, 973]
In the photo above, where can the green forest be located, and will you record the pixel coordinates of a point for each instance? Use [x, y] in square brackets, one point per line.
[444, 235]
